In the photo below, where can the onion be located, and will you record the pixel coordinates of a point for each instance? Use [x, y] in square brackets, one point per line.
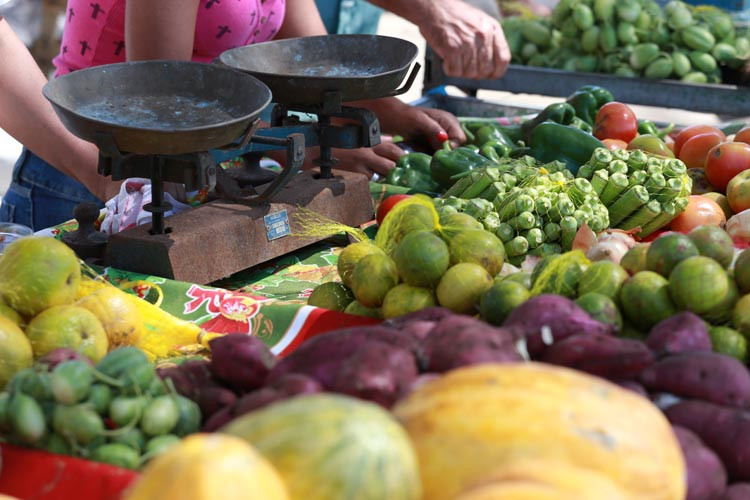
[738, 226]
[612, 249]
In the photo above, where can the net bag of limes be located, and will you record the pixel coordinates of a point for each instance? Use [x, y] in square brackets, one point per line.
[415, 261]
[639, 189]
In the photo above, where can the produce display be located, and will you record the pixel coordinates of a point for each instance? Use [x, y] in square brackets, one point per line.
[631, 38]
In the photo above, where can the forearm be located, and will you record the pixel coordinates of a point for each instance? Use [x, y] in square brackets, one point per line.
[415, 11]
[301, 18]
[160, 29]
[27, 116]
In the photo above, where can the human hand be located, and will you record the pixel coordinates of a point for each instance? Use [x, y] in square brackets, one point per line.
[470, 42]
[369, 161]
[415, 123]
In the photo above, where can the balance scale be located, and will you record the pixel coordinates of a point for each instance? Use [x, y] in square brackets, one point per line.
[174, 121]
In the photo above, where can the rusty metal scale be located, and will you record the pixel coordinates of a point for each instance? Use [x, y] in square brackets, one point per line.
[174, 121]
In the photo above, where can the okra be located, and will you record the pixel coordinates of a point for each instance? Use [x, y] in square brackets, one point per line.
[517, 246]
[599, 181]
[637, 160]
[632, 200]
[546, 249]
[668, 212]
[505, 232]
[484, 180]
[586, 171]
[671, 191]
[637, 178]
[534, 236]
[579, 189]
[522, 203]
[552, 231]
[654, 166]
[564, 207]
[496, 189]
[655, 183]
[568, 230]
[617, 166]
[478, 208]
[524, 220]
[580, 217]
[642, 216]
[600, 158]
[621, 154]
[616, 184]
[491, 222]
[674, 168]
[462, 184]
[542, 205]
[509, 180]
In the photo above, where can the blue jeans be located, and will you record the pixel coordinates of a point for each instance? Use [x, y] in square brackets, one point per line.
[40, 196]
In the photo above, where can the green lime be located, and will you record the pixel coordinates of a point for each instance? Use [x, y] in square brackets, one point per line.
[725, 340]
[331, 295]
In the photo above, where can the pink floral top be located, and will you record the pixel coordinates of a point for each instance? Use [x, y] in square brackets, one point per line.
[95, 30]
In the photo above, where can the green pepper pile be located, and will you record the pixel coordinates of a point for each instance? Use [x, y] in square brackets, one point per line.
[638, 189]
[118, 412]
[630, 38]
[533, 208]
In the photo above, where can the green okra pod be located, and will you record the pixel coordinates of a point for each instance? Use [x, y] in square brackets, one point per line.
[599, 181]
[637, 160]
[644, 215]
[552, 231]
[534, 236]
[617, 166]
[616, 184]
[568, 230]
[524, 220]
[505, 232]
[637, 178]
[634, 198]
[671, 191]
[655, 183]
[517, 246]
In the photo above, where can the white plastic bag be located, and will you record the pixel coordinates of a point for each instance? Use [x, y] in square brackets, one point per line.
[125, 210]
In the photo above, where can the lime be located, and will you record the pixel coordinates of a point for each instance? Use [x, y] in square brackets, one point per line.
[698, 284]
[602, 277]
[742, 271]
[741, 316]
[403, 299]
[602, 308]
[500, 299]
[421, 258]
[372, 277]
[667, 251]
[634, 260]
[461, 286]
[357, 309]
[725, 340]
[331, 295]
[713, 242]
[645, 300]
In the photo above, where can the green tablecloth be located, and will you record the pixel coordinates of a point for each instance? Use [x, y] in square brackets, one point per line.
[268, 300]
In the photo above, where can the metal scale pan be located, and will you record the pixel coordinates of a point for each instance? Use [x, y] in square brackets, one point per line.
[158, 107]
[302, 70]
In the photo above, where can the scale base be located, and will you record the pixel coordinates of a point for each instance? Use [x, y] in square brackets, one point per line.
[220, 238]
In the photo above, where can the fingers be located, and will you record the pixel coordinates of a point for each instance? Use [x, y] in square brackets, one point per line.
[447, 122]
[389, 150]
[365, 161]
[501, 53]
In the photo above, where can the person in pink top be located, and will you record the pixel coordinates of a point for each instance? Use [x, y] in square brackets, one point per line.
[107, 31]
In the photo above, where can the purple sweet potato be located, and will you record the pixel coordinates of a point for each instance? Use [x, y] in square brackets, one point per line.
[218, 419]
[702, 375]
[57, 356]
[321, 356]
[212, 399]
[723, 429]
[600, 354]
[419, 323]
[462, 341]
[737, 491]
[562, 316]
[376, 372]
[706, 476]
[290, 385]
[632, 386]
[242, 361]
[189, 377]
[682, 332]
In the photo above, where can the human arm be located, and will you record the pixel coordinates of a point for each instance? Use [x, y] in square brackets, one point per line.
[301, 18]
[27, 116]
[470, 42]
[161, 29]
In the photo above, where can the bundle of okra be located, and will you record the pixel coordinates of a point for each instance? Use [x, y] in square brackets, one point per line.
[638, 189]
[532, 209]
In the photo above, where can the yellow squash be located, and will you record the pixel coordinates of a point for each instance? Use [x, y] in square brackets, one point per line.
[474, 421]
[209, 467]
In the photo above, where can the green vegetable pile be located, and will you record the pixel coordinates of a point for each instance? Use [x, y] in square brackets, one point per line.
[118, 412]
[630, 38]
[638, 189]
[532, 208]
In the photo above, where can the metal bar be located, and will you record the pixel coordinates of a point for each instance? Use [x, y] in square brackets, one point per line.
[719, 99]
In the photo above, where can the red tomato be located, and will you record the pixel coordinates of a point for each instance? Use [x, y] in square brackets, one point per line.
[695, 150]
[743, 136]
[387, 204]
[694, 130]
[700, 211]
[615, 144]
[738, 192]
[615, 120]
[726, 160]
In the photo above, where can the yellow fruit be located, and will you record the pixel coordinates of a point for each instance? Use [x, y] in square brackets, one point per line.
[120, 318]
[67, 326]
[209, 467]
[8, 312]
[37, 273]
[543, 480]
[15, 350]
[352, 254]
[474, 421]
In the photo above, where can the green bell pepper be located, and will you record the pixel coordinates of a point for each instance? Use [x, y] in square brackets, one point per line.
[471, 126]
[495, 150]
[491, 133]
[587, 100]
[447, 163]
[579, 123]
[412, 170]
[647, 127]
[570, 145]
[559, 112]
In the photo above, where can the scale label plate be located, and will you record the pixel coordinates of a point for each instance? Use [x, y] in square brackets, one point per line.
[277, 225]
